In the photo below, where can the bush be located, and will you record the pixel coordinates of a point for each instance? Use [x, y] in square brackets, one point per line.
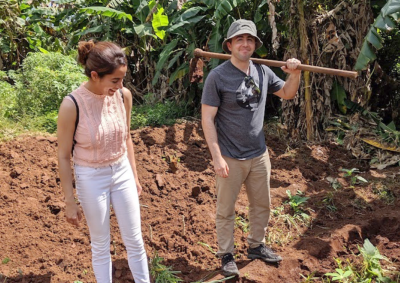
[8, 95]
[43, 81]
[158, 114]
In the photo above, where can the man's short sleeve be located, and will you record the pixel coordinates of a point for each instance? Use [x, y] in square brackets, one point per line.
[211, 90]
[274, 82]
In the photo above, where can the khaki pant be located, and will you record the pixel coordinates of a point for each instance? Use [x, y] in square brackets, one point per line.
[255, 174]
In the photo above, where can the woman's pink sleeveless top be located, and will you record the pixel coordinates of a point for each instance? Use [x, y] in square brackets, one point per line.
[102, 130]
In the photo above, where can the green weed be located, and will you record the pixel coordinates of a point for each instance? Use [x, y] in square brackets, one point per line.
[214, 281]
[162, 273]
[354, 179]
[370, 270]
[296, 202]
[158, 114]
[372, 267]
[286, 227]
[5, 260]
[334, 183]
[208, 247]
[309, 278]
[329, 203]
[242, 223]
[383, 193]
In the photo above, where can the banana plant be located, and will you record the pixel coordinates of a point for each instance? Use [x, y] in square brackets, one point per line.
[386, 21]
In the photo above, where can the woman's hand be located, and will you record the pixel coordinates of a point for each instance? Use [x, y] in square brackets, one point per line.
[139, 187]
[73, 213]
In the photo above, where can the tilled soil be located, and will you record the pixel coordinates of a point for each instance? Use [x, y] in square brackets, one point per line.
[178, 211]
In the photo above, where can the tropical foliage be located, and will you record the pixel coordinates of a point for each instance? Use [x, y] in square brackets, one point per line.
[159, 38]
[386, 22]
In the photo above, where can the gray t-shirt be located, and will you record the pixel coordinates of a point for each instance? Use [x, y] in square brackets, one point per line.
[241, 108]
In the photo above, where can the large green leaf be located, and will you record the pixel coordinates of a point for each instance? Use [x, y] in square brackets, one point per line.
[193, 20]
[392, 6]
[338, 94]
[142, 11]
[174, 59]
[210, 3]
[97, 29]
[164, 55]
[190, 13]
[223, 9]
[374, 38]
[160, 20]
[144, 30]
[384, 22]
[107, 12]
[259, 14]
[179, 73]
[215, 43]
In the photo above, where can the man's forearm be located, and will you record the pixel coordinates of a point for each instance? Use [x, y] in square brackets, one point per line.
[210, 133]
[291, 86]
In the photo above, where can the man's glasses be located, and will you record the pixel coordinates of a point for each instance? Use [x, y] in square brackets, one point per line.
[249, 82]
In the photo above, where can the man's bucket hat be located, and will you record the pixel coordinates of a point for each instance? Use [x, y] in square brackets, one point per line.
[241, 27]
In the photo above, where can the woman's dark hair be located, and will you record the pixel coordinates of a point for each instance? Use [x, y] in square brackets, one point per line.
[102, 57]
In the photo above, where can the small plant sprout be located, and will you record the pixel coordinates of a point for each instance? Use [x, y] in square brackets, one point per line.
[328, 201]
[242, 224]
[370, 270]
[340, 275]
[5, 260]
[372, 265]
[334, 183]
[349, 172]
[309, 278]
[354, 179]
[212, 274]
[296, 202]
[208, 247]
[162, 273]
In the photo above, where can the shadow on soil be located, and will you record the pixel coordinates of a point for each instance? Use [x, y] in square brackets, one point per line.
[27, 278]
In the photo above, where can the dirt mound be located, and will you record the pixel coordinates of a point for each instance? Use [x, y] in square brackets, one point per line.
[178, 211]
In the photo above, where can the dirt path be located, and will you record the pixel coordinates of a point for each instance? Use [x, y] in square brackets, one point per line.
[178, 208]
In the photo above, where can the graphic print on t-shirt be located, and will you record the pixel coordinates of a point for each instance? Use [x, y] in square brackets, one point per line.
[248, 94]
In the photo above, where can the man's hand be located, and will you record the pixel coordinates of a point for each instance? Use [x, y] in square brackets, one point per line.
[291, 66]
[221, 167]
[73, 213]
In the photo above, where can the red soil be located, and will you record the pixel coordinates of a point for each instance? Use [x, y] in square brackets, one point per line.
[178, 211]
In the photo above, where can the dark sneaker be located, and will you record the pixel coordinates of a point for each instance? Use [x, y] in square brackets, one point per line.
[264, 253]
[229, 267]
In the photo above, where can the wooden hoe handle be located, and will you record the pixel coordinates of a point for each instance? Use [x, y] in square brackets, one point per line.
[272, 63]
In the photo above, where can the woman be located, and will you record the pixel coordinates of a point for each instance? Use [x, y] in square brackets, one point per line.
[104, 159]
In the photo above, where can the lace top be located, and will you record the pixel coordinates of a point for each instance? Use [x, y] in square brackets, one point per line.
[102, 130]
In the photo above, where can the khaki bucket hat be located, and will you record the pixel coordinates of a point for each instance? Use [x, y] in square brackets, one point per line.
[241, 27]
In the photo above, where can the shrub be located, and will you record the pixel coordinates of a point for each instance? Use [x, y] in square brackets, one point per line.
[158, 114]
[8, 95]
[43, 81]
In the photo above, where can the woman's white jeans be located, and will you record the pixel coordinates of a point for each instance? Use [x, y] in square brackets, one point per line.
[97, 188]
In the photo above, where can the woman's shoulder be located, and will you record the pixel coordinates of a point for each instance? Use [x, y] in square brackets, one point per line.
[127, 94]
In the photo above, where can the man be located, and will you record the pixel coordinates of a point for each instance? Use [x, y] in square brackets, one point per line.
[233, 106]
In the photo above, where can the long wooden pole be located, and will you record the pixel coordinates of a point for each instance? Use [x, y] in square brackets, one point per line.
[272, 63]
